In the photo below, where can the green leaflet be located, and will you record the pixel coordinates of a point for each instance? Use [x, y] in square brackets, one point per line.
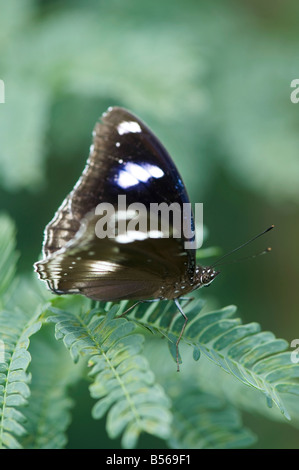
[255, 358]
[204, 421]
[16, 327]
[15, 331]
[48, 413]
[8, 258]
[123, 384]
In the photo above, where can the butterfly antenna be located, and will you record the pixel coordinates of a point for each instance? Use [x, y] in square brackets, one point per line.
[244, 244]
[267, 250]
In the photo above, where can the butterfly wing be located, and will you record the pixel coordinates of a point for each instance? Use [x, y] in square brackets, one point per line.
[125, 159]
[109, 270]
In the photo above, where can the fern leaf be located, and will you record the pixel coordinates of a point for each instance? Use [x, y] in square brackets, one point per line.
[254, 357]
[123, 383]
[15, 331]
[203, 417]
[48, 410]
[204, 421]
[8, 257]
[16, 327]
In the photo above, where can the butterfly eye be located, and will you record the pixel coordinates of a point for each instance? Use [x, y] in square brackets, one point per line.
[208, 276]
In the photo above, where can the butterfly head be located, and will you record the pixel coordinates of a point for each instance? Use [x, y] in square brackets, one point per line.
[206, 275]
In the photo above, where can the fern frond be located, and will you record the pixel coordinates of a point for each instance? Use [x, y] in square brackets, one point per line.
[123, 383]
[213, 379]
[8, 257]
[15, 331]
[203, 416]
[254, 357]
[48, 413]
[16, 327]
[204, 421]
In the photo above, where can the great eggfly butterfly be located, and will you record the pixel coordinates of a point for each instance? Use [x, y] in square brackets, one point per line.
[126, 158]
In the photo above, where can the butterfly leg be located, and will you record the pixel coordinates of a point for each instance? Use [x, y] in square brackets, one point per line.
[135, 305]
[188, 300]
[181, 333]
[130, 308]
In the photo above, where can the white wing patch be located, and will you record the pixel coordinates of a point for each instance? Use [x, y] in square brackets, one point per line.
[126, 127]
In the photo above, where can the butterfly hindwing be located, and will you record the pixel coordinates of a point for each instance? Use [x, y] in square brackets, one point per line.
[109, 270]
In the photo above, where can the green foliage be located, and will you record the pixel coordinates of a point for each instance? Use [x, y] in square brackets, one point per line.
[15, 331]
[8, 258]
[254, 357]
[205, 421]
[123, 383]
[220, 102]
[192, 59]
[48, 413]
[16, 327]
[134, 395]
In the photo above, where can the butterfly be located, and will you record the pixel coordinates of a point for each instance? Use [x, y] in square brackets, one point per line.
[126, 159]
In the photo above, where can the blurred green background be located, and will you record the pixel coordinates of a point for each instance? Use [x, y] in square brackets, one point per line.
[212, 79]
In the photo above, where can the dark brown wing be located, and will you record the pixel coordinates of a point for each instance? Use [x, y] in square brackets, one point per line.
[108, 270]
